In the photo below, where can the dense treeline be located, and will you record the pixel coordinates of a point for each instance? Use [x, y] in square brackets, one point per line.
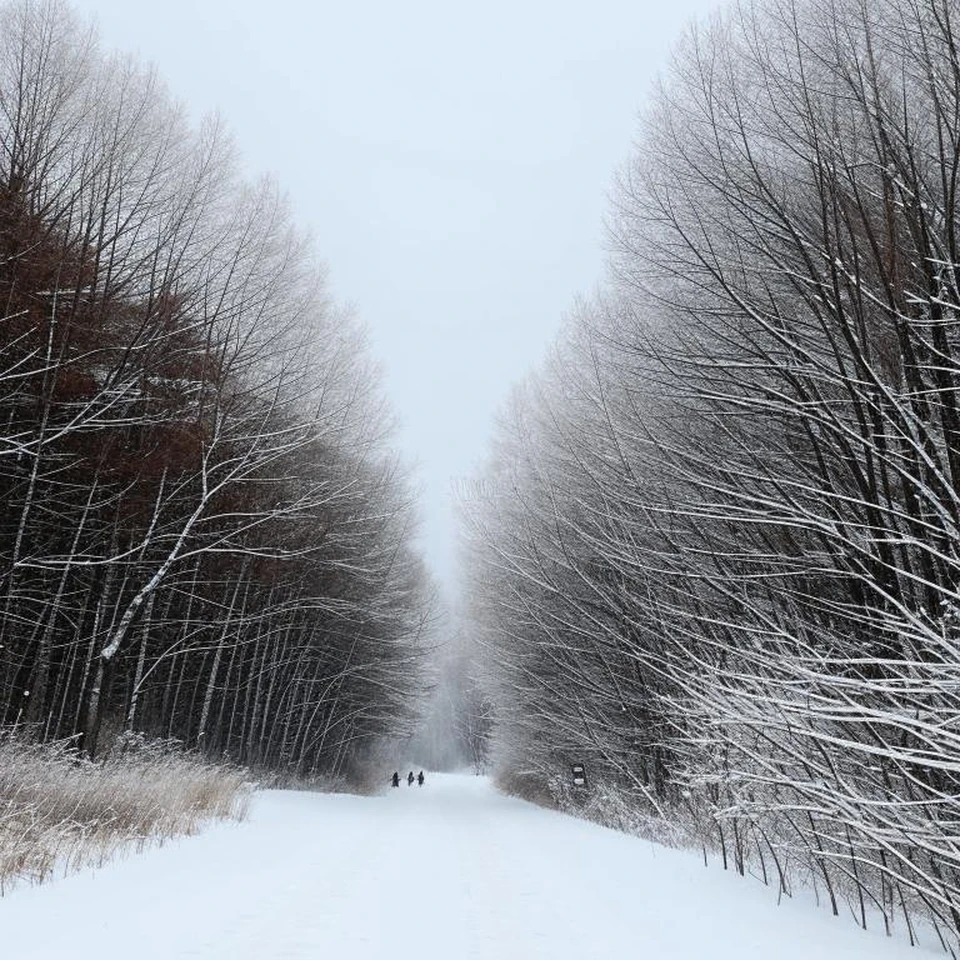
[203, 533]
[716, 552]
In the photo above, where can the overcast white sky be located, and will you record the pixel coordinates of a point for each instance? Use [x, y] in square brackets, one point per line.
[451, 160]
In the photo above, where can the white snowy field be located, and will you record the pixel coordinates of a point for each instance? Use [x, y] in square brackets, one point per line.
[452, 870]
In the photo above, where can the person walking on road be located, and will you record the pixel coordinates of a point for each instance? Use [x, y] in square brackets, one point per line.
[410, 779]
[395, 779]
[420, 779]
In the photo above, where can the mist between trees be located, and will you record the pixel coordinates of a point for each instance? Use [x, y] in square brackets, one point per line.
[717, 558]
[204, 533]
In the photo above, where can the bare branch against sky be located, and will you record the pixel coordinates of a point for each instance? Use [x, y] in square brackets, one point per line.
[452, 162]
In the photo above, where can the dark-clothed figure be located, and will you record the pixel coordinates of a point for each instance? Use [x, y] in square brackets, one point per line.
[420, 779]
[410, 779]
[395, 779]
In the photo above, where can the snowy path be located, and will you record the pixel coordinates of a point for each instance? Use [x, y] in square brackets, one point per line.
[449, 871]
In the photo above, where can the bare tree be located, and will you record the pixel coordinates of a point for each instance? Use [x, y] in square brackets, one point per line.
[205, 535]
[719, 560]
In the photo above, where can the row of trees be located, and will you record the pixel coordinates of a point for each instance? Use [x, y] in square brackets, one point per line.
[716, 553]
[203, 532]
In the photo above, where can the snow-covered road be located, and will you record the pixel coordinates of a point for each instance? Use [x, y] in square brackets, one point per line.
[452, 870]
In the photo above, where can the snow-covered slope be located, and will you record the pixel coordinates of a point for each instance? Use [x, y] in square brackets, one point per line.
[452, 870]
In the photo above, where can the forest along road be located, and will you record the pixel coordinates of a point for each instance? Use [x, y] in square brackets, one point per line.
[449, 870]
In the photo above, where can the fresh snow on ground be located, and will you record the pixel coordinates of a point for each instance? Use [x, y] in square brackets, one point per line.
[452, 870]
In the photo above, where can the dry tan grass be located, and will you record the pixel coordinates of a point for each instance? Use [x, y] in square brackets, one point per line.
[60, 812]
